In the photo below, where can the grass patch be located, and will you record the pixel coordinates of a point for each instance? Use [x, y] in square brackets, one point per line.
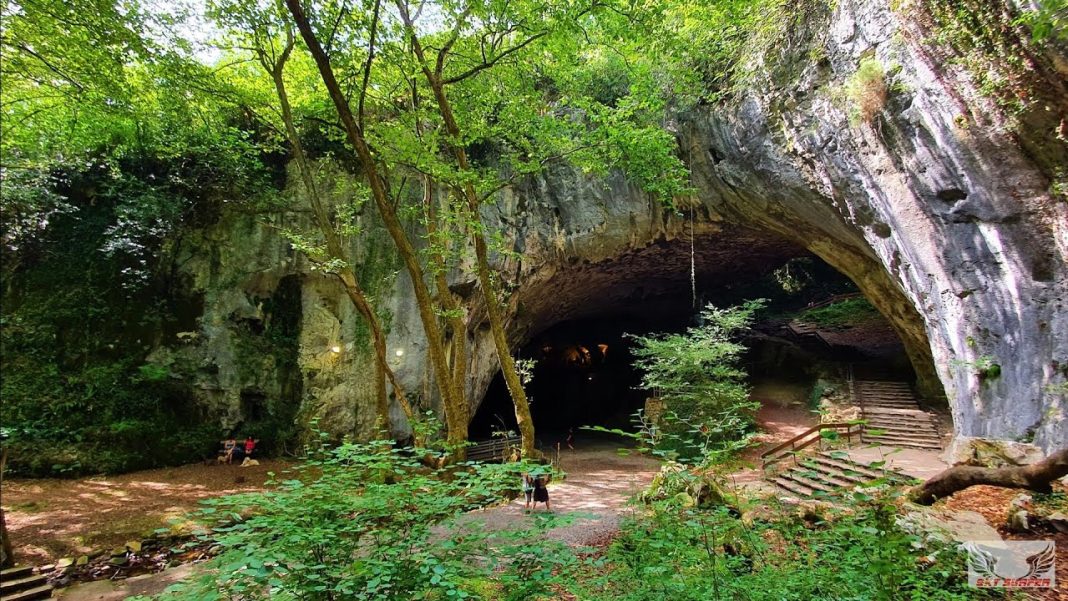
[842, 313]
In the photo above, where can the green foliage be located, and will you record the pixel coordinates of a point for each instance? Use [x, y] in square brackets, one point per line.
[1047, 20]
[867, 90]
[696, 373]
[681, 552]
[850, 311]
[985, 367]
[373, 522]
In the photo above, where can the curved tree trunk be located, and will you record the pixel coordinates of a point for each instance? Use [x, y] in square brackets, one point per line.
[1036, 477]
[336, 251]
[500, 337]
[453, 398]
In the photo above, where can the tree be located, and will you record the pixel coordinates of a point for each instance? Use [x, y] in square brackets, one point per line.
[477, 66]
[697, 376]
[268, 35]
[1036, 477]
[7, 556]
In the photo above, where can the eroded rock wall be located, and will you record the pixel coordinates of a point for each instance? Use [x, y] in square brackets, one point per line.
[932, 206]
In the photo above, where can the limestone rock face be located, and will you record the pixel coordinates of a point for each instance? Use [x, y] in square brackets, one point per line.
[936, 205]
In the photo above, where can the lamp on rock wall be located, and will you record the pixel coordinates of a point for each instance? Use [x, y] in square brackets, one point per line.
[335, 349]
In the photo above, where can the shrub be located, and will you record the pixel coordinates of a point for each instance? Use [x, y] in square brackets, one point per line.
[697, 375]
[372, 522]
[867, 90]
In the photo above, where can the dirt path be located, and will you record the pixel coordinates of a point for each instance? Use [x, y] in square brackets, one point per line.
[50, 519]
[599, 483]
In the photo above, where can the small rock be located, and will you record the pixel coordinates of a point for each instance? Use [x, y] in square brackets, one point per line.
[1022, 501]
[82, 560]
[121, 552]
[118, 561]
[46, 568]
[134, 545]
[1059, 521]
[1018, 521]
[991, 453]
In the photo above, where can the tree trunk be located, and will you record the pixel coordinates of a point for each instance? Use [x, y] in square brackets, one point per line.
[453, 399]
[500, 337]
[336, 251]
[1036, 477]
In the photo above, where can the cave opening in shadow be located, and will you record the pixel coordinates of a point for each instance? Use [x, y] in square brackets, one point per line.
[583, 374]
[577, 326]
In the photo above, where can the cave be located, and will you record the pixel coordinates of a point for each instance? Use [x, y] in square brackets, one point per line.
[577, 328]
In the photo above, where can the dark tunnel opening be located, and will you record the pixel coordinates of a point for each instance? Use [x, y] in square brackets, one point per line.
[584, 373]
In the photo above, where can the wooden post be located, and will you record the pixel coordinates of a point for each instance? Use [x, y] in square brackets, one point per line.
[7, 557]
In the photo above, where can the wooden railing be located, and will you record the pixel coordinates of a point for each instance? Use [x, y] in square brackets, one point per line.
[834, 299]
[497, 449]
[808, 438]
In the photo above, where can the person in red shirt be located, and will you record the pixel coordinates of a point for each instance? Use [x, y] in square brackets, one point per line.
[250, 445]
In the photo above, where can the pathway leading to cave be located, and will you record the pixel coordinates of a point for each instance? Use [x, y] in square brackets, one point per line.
[594, 495]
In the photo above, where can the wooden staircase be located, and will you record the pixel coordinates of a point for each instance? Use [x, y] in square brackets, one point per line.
[827, 474]
[894, 417]
[21, 584]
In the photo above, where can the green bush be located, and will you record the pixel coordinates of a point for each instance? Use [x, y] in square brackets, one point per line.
[372, 522]
[697, 376]
[686, 553]
[846, 312]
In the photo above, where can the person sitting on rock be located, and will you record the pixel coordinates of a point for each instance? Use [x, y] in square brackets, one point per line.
[228, 449]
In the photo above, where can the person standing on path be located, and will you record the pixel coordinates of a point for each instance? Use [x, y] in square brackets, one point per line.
[528, 490]
[541, 492]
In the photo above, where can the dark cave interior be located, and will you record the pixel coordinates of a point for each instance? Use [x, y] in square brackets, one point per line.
[583, 371]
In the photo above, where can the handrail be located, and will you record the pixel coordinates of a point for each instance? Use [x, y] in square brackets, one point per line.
[492, 449]
[768, 457]
[834, 299]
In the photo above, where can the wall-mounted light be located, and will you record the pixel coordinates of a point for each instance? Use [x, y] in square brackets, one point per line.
[335, 349]
[400, 352]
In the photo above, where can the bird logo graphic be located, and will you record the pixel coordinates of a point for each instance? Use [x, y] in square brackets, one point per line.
[1011, 564]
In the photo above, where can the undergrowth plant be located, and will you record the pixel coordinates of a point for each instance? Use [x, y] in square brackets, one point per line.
[858, 552]
[372, 521]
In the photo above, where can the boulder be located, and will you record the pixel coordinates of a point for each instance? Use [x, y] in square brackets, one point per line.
[988, 452]
[945, 525]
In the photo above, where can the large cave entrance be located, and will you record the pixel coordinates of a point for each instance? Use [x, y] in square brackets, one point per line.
[576, 327]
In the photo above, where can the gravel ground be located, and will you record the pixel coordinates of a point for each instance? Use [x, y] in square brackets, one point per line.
[593, 497]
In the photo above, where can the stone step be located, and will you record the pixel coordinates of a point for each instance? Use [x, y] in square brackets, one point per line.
[833, 475]
[810, 482]
[891, 440]
[8, 585]
[901, 442]
[900, 423]
[892, 413]
[899, 435]
[847, 466]
[891, 405]
[906, 426]
[792, 487]
[17, 572]
[41, 592]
